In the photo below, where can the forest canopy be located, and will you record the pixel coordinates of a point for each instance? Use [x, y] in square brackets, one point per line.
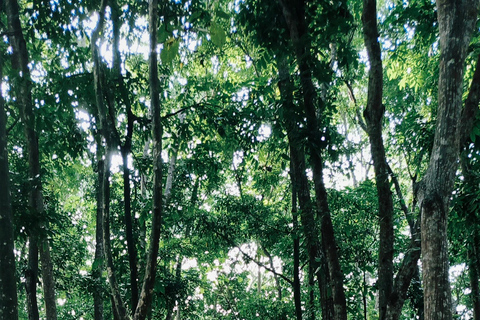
[246, 159]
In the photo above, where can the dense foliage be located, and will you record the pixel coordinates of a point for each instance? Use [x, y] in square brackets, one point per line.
[249, 175]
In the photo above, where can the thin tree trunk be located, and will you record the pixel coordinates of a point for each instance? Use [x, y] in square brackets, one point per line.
[105, 128]
[294, 13]
[157, 131]
[98, 264]
[48, 281]
[473, 273]
[300, 184]
[132, 252]
[373, 117]
[31, 276]
[297, 293]
[23, 86]
[125, 150]
[456, 21]
[8, 283]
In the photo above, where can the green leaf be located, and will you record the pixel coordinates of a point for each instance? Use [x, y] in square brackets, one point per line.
[222, 14]
[162, 35]
[218, 35]
[194, 16]
[170, 50]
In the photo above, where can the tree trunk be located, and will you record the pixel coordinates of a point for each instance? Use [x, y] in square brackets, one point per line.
[125, 150]
[105, 128]
[157, 131]
[456, 20]
[294, 13]
[48, 281]
[297, 293]
[22, 86]
[31, 277]
[98, 264]
[373, 117]
[300, 187]
[8, 283]
[475, 294]
[132, 252]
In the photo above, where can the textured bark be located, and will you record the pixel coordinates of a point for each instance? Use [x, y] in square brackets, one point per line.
[98, 262]
[8, 284]
[48, 281]
[373, 117]
[473, 273]
[294, 14]
[22, 86]
[456, 20]
[408, 269]
[157, 131]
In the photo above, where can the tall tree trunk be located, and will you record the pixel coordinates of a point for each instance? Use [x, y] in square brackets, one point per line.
[297, 293]
[157, 131]
[31, 276]
[473, 273]
[111, 142]
[294, 13]
[23, 86]
[300, 186]
[373, 117]
[48, 281]
[8, 283]
[125, 150]
[456, 20]
[98, 264]
[132, 252]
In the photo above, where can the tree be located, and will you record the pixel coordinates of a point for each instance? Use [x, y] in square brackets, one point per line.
[456, 20]
[8, 284]
[23, 94]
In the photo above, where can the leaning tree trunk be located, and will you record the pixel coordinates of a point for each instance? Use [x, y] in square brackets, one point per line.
[22, 87]
[294, 13]
[8, 283]
[456, 19]
[373, 116]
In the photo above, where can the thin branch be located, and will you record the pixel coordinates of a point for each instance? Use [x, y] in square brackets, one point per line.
[403, 206]
[248, 257]
[13, 125]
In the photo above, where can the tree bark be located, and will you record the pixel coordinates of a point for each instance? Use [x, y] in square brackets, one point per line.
[475, 294]
[22, 86]
[48, 281]
[98, 263]
[373, 117]
[157, 131]
[8, 283]
[456, 20]
[31, 277]
[294, 13]
[125, 151]
[297, 293]
[105, 128]
[300, 186]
